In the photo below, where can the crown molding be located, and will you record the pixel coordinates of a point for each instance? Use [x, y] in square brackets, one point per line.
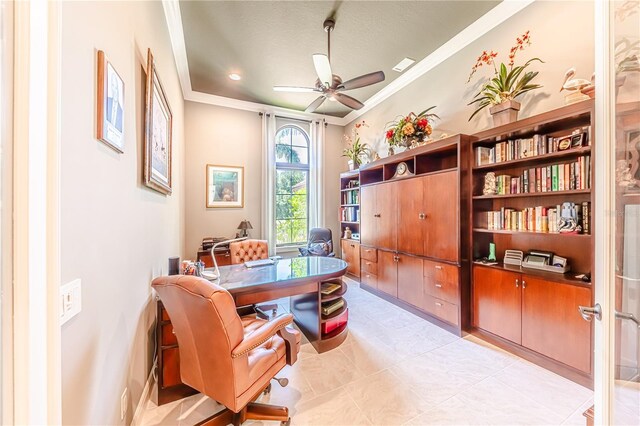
[477, 29]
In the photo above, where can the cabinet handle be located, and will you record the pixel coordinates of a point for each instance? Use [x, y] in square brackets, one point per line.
[438, 304]
[438, 285]
[368, 263]
[524, 284]
[227, 255]
[422, 216]
[438, 267]
[353, 245]
[517, 283]
[376, 215]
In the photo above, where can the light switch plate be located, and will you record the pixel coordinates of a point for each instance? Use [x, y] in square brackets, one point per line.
[70, 300]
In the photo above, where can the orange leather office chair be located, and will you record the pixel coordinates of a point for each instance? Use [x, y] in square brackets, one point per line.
[230, 359]
[243, 251]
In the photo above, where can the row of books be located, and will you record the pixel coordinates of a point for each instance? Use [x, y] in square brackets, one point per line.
[353, 183]
[565, 218]
[351, 197]
[555, 177]
[350, 214]
[532, 147]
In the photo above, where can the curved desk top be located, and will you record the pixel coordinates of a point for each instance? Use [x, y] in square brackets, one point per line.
[238, 278]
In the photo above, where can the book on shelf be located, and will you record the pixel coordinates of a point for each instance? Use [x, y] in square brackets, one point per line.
[516, 149]
[330, 307]
[350, 214]
[537, 219]
[556, 177]
[328, 288]
[351, 197]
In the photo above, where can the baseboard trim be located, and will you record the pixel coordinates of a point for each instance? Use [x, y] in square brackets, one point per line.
[142, 402]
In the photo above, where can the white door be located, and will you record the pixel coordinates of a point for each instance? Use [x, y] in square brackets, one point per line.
[617, 221]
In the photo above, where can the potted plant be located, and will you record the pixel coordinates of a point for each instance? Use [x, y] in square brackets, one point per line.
[507, 83]
[411, 130]
[356, 151]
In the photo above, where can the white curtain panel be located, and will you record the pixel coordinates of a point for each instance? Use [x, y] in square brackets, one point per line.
[316, 175]
[268, 181]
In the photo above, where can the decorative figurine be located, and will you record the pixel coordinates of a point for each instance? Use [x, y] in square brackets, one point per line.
[574, 86]
[569, 220]
[623, 175]
[489, 184]
[492, 252]
[347, 233]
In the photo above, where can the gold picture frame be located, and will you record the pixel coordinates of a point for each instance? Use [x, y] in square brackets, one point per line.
[110, 106]
[225, 186]
[158, 132]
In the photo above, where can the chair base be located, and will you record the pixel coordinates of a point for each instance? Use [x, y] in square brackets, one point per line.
[253, 411]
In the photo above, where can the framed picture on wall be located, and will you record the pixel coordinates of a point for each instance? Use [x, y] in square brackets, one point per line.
[225, 186]
[157, 136]
[110, 108]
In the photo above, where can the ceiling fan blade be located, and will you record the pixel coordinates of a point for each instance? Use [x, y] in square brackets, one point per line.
[348, 101]
[362, 81]
[293, 89]
[313, 106]
[323, 69]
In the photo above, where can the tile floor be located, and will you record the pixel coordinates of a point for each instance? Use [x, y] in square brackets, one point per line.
[396, 368]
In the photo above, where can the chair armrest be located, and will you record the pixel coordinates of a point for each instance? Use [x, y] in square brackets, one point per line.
[332, 254]
[290, 344]
[261, 335]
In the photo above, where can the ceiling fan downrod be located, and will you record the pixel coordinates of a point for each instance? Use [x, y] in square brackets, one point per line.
[328, 25]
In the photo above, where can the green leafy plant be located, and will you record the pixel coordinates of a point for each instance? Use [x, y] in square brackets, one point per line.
[356, 150]
[508, 81]
[411, 126]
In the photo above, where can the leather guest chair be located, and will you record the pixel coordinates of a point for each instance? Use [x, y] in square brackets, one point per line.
[320, 243]
[243, 251]
[228, 358]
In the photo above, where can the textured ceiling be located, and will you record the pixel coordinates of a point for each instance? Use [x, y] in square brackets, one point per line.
[271, 42]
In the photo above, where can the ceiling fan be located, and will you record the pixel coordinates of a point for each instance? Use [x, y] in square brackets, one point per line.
[330, 85]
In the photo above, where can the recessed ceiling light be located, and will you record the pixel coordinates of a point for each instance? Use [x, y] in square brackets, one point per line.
[403, 64]
[234, 76]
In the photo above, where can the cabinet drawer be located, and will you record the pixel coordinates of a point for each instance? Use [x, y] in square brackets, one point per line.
[441, 272]
[369, 266]
[441, 289]
[369, 279]
[368, 253]
[444, 310]
[168, 337]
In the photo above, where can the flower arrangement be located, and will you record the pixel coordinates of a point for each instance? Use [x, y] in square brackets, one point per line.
[508, 81]
[356, 150]
[411, 128]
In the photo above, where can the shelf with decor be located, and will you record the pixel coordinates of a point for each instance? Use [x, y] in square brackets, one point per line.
[541, 182]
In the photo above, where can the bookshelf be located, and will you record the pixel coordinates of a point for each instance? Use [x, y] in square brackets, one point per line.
[349, 216]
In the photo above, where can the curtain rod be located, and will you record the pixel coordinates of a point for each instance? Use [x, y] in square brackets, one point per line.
[290, 118]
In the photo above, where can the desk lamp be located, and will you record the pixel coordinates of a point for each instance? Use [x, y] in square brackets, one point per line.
[244, 225]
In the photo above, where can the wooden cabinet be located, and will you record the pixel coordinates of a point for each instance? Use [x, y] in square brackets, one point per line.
[223, 257]
[536, 313]
[551, 324]
[442, 281]
[497, 302]
[442, 216]
[368, 216]
[387, 273]
[351, 255]
[379, 216]
[410, 279]
[410, 215]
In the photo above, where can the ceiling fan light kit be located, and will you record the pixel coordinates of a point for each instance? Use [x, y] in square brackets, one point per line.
[330, 85]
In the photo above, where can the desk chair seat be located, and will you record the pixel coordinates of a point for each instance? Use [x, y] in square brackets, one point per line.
[320, 243]
[230, 359]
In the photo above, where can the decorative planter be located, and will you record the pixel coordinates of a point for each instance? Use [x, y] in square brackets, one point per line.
[505, 113]
[351, 164]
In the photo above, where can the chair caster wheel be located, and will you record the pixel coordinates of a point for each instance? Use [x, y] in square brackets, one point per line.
[287, 423]
[282, 382]
[267, 390]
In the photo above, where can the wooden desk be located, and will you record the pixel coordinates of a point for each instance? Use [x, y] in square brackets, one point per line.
[299, 279]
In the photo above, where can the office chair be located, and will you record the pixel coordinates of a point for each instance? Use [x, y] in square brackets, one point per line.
[230, 359]
[320, 243]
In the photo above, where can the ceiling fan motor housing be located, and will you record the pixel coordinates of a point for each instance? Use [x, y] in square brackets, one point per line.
[329, 24]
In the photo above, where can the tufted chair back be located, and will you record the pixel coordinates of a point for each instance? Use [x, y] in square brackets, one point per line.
[243, 251]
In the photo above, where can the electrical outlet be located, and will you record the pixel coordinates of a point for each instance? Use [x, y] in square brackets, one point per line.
[70, 300]
[124, 403]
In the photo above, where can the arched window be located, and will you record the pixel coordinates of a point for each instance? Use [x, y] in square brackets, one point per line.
[292, 186]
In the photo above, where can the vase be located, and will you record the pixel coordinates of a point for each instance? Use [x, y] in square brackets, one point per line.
[391, 151]
[351, 164]
[505, 112]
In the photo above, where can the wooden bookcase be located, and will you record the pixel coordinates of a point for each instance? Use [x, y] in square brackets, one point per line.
[350, 217]
[531, 312]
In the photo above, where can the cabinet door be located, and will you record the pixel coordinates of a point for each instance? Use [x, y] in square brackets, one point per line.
[387, 273]
[368, 232]
[551, 324]
[497, 302]
[410, 280]
[410, 210]
[352, 249]
[442, 223]
[387, 210]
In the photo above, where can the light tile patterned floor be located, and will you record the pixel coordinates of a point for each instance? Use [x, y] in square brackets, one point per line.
[396, 368]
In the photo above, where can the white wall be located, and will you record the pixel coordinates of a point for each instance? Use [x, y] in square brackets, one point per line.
[116, 234]
[231, 137]
[562, 35]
